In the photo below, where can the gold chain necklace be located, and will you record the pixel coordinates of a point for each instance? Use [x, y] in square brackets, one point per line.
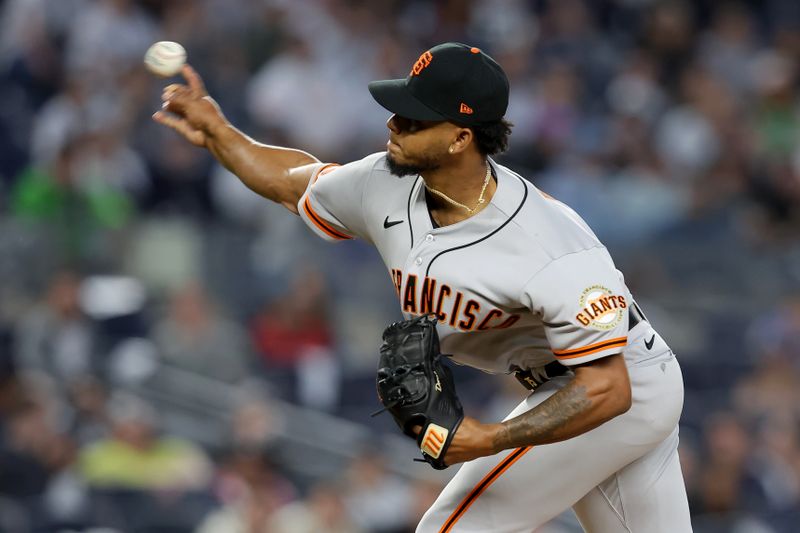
[481, 200]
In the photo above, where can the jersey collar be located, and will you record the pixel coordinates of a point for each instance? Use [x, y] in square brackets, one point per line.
[504, 202]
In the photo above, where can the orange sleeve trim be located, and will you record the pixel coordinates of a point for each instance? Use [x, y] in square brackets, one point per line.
[481, 487]
[591, 348]
[324, 170]
[321, 224]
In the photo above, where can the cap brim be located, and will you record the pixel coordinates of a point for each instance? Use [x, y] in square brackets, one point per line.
[395, 97]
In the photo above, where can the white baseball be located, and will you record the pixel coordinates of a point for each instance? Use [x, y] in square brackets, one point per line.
[165, 58]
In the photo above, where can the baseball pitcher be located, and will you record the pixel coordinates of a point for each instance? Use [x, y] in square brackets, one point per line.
[496, 275]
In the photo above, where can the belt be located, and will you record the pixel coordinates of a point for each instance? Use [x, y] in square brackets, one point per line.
[533, 378]
[635, 315]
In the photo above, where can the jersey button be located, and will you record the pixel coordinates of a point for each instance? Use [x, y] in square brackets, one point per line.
[418, 261]
[429, 237]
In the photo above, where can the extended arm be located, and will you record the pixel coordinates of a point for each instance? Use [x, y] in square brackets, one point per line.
[600, 391]
[279, 174]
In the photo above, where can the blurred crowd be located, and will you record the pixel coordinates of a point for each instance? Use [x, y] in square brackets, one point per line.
[176, 354]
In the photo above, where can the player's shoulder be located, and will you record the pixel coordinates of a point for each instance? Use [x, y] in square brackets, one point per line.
[372, 163]
[356, 173]
[549, 227]
[369, 176]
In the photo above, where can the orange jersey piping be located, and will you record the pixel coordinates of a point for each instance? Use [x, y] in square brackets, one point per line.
[481, 487]
[321, 224]
[324, 170]
[591, 348]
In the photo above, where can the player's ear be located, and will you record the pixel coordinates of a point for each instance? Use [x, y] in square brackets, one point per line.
[462, 138]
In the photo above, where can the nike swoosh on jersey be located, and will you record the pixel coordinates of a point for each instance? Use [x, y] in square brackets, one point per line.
[649, 343]
[388, 224]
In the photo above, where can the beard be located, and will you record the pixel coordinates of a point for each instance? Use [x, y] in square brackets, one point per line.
[400, 170]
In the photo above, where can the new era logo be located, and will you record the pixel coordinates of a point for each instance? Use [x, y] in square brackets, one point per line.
[433, 440]
[465, 109]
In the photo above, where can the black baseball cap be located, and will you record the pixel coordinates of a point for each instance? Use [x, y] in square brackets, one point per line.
[450, 82]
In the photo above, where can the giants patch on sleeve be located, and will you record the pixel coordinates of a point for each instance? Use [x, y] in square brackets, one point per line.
[600, 308]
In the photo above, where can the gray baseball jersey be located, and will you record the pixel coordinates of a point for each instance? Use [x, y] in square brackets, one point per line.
[518, 285]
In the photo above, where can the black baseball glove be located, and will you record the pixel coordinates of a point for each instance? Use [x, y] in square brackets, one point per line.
[417, 388]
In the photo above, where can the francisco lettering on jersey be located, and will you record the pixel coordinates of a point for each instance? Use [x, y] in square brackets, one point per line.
[450, 306]
[600, 308]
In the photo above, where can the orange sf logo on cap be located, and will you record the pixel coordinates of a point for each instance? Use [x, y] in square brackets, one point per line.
[423, 61]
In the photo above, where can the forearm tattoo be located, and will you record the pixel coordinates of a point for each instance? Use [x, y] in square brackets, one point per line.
[546, 422]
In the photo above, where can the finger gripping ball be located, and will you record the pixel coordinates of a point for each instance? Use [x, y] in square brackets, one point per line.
[165, 58]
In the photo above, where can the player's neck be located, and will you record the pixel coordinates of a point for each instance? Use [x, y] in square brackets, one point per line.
[459, 190]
